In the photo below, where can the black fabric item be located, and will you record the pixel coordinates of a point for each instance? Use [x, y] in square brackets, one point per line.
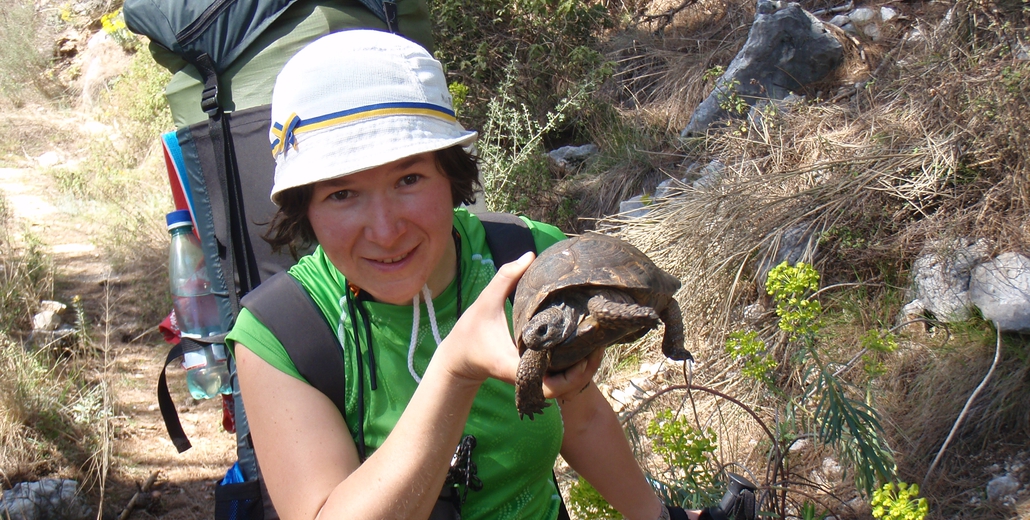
[282, 305]
[222, 29]
[713, 513]
[240, 501]
[167, 406]
[677, 513]
[508, 238]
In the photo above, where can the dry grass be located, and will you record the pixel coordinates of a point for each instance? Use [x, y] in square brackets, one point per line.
[937, 145]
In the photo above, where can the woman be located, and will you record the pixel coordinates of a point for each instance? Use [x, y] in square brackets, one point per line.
[370, 166]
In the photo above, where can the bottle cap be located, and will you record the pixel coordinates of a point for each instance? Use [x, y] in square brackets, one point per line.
[178, 218]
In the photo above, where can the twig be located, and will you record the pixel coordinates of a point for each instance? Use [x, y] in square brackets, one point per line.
[965, 409]
[136, 497]
[834, 10]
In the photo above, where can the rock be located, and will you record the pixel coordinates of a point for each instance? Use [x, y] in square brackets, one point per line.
[888, 13]
[941, 278]
[791, 248]
[45, 500]
[840, 20]
[910, 314]
[48, 159]
[635, 207]
[1001, 290]
[873, 32]
[786, 49]
[567, 157]
[1001, 487]
[668, 188]
[710, 175]
[49, 316]
[864, 16]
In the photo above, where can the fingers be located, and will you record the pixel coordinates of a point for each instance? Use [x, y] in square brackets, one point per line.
[569, 383]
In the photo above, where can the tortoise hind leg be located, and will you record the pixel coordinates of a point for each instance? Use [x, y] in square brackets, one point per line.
[529, 383]
[672, 342]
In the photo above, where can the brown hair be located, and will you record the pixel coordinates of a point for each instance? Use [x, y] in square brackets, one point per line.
[291, 229]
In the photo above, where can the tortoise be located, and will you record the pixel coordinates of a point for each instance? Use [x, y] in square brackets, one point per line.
[582, 294]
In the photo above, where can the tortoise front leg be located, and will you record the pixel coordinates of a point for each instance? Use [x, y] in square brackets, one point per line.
[615, 310]
[529, 383]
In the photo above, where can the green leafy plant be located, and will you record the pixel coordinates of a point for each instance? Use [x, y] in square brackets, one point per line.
[810, 512]
[730, 100]
[587, 502]
[850, 425]
[899, 502]
[113, 24]
[511, 150]
[745, 346]
[688, 454]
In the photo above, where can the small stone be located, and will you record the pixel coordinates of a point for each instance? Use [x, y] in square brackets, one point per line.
[1000, 487]
[864, 16]
[888, 13]
[635, 207]
[840, 20]
[48, 159]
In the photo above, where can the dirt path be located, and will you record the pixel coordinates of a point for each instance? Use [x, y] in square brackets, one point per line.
[185, 487]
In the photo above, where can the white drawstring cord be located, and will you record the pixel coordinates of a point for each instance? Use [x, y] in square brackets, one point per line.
[414, 329]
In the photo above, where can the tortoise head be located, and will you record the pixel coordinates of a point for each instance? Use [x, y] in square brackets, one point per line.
[549, 327]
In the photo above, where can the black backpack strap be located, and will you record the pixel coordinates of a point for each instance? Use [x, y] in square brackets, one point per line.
[241, 265]
[282, 305]
[167, 406]
[385, 10]
[508, 238]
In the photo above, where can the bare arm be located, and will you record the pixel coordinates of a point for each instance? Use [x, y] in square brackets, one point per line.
[591, 428]
[300, 436]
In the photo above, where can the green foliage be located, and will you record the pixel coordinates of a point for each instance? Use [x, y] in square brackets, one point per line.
[688, 453]
[898, 502]
[25, 275]
[730, 100]
[22, 64]
[511, 149]
[587, 502]
[459, 93]
[790, 287]
[850, 425]
[551, 41]
[113, 24]
[746, 346]
[713, 73]
[809, 512]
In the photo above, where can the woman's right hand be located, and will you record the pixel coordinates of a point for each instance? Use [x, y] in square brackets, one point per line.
[480, 344]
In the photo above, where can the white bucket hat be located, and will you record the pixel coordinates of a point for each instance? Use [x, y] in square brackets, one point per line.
[354, 100]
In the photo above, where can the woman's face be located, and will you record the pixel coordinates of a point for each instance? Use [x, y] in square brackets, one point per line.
[388, 229]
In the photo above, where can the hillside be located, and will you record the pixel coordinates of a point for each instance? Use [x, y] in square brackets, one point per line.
[820, 381]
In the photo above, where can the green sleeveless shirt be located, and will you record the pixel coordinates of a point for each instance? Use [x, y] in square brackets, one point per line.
[514, 457]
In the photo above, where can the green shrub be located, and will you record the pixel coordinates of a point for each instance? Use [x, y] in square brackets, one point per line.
[22, 64]
[587, 502]
[552, 42]
[688, 456]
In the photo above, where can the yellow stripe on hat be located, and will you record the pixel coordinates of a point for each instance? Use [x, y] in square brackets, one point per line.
[285, 133]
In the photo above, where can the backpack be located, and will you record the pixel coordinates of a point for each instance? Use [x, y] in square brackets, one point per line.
[221, 170]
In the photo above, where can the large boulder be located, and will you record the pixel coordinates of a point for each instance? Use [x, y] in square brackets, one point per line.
[786, 48]
[941, 278]
[1001, 290]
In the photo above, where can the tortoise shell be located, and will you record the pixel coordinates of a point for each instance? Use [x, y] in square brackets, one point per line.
[590, 260]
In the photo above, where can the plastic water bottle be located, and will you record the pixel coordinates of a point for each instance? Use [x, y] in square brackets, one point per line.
[196, 310]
